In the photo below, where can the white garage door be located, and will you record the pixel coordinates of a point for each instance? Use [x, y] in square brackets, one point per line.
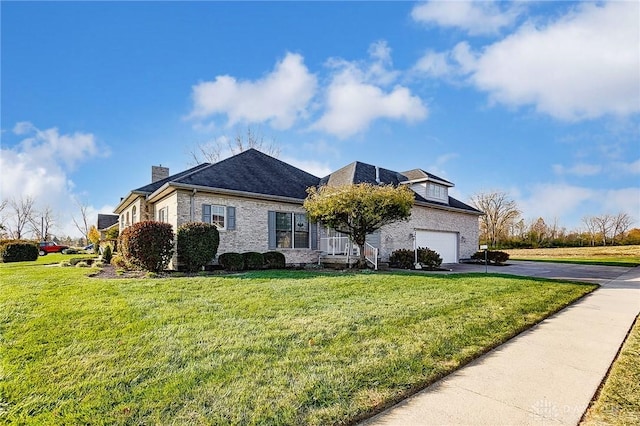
[444, 243]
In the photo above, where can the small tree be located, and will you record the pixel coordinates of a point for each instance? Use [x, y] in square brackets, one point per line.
[147, 245]
[197, 245]
[360, 209]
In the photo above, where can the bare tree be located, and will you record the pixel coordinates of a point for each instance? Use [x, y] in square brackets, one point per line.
[500, 213]
[82, 224]
[620, 224]
[604, 224]
[212, 152]
[3, 226]
[22, 215]
[592, 228]
[42, 223]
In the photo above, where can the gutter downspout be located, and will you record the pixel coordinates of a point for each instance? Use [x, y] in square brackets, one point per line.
[192, 207]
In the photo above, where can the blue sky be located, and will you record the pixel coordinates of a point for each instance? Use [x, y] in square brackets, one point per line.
[538, 99]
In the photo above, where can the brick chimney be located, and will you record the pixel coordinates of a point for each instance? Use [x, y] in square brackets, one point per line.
[159, 173]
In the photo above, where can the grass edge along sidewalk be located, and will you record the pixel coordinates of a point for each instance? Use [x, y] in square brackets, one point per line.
[286, 347]
[617, 402]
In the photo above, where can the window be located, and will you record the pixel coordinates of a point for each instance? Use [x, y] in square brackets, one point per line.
[127, 222]
[163, 215]
[224, 217]
[289, 230]
[438, 192]
[134, 215]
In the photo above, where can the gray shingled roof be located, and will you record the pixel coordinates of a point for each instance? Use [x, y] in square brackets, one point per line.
[417, 174]
[358, 172]
[107, 220]
[254, 172]
[250, 171]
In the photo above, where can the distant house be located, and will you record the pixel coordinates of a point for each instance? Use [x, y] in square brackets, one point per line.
[106, 222]
[256, 202]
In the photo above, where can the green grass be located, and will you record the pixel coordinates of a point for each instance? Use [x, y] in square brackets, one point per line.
[618, 402]
[628, 256]
[255, 348]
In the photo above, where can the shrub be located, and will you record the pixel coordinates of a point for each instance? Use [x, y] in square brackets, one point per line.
[496, 257]
[274, 260]
[197, 245]
[402, 258]
[86, 259]
[147, 245]
[253, 260]
[107, 255]
[82, 264]
[65, 263]
[429, 258]
[118, 261]
[499, 257]
[72, 250]
[231, 261]
[18, 251]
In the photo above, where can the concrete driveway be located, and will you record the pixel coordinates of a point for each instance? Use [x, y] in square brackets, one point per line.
[588, 273]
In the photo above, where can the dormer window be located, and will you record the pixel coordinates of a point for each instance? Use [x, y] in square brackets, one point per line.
[437, 192]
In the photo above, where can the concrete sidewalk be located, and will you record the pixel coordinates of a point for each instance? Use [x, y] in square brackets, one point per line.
[545, 376]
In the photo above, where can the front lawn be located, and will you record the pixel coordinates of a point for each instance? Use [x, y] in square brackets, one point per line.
[262, 347]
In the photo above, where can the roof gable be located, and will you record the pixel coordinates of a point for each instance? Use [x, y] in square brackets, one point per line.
[419, 174]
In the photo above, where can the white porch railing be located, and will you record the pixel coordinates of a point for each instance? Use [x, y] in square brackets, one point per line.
[338, 245]
[371, 254]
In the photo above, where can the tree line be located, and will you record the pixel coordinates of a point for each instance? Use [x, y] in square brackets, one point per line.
[22, 219]
[503, 226]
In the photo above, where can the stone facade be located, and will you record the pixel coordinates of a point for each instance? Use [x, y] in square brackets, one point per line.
[251, 232]
[137, 211]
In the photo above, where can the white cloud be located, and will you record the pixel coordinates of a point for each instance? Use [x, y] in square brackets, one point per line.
[435, 64]
[40, 166]
[554, 200]
[474, 17]
[278, 98]
[585, 65]
[355, 96]
[316, 168]
[580, 169]
[570, 203]
[631, 168]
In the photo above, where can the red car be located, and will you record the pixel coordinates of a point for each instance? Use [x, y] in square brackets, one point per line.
[50, 247]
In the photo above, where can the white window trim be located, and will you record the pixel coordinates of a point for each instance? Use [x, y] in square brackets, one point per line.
[443, 189]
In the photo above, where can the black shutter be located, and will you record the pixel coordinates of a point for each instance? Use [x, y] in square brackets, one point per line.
[206, 213]
[272, 230]
[231, 218]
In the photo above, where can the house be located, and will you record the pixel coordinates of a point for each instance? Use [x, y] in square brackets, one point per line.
[105, 223]
[256, 202]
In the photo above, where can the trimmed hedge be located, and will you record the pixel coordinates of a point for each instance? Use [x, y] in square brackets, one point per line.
[402, 258]
[405, 258]
[495, 257]
[197, 245]
[147, 245]
[231, 261]
[274, 260]
[253, 260]
[18, 251]
[429, 258]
